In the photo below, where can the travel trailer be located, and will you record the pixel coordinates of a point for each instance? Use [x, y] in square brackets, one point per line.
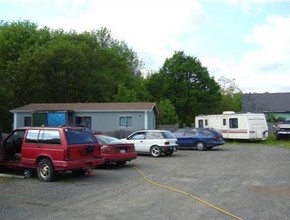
[250, 126]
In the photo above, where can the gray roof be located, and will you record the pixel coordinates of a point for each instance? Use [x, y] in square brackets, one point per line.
[266, 102]
[92, 107]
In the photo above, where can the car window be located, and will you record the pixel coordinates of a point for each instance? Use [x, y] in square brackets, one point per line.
[182, 130]
[18, 134]
[78, 136]
[191, 132]
[138, 136]
[154, 135]
[44, 136]
[168, 134]
[49, 137]
[32, 136]
[108, 140]
[205, 132]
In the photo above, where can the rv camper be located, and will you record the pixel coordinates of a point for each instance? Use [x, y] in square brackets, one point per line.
[251, 126]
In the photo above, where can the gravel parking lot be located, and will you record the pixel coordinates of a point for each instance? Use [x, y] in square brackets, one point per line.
[234, 181]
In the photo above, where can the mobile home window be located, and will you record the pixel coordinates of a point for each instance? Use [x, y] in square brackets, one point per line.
[224, 122]
[27, 121]
[233, 123]
[205, 122]
[125, 121]
[85, 121]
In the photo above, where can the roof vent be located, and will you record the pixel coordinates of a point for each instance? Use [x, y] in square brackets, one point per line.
[228, 112]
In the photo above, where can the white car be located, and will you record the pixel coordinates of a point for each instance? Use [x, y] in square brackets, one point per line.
[154, 142]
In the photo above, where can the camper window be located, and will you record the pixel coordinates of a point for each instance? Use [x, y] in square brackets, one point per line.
[233, 123]
[205, 122]
[224, 122]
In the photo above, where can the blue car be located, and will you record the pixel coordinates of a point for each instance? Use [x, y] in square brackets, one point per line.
[198, 138]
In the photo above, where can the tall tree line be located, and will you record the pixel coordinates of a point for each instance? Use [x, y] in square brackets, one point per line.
[40, 65]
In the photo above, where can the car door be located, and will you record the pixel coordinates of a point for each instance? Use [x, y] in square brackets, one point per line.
[190, 138]
[40, 142]
[11, 146]
[138, 140]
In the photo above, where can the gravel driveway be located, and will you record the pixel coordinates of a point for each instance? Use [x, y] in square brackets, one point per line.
[240, 181]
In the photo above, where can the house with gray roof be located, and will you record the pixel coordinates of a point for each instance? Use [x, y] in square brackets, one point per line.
[275, 103]
[104, 117]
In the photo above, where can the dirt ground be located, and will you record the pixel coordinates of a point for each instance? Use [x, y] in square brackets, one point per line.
[234, 181]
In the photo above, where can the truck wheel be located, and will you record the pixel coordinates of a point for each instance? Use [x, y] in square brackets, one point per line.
[155, 151]
[200, 145]
[45, 170]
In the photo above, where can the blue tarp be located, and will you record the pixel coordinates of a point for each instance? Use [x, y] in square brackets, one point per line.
[56, 119]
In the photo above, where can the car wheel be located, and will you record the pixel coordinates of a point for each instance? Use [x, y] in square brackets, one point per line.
[200, 145]
[121, 163]
[168, 153]
[45, 170]
[79, 172]
[155, 151]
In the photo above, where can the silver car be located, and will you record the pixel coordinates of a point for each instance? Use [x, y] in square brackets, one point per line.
[154, 142]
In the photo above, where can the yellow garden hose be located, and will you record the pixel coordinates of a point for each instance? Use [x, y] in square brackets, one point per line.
[186, 194]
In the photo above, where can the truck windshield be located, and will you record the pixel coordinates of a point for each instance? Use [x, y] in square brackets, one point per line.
[78, 136]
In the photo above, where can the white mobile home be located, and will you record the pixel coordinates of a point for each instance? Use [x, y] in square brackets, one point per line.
[251, 126]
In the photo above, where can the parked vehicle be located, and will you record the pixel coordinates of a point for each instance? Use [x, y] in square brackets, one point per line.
[113, 150]
[198, 138]
[154, 142]
[282, 129]
[249, 126]
[50, 150]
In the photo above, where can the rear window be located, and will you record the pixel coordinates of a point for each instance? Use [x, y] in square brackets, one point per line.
[168, 134]
[75, 136]
[108, 140]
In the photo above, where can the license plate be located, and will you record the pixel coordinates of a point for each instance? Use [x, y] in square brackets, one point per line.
[122, 151]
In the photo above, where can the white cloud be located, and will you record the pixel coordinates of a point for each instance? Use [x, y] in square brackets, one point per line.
[265, 69]
[152, 28]
[156, 28]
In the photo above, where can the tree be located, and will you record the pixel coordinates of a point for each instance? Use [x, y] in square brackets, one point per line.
[231, 95]
[42, 65]
[104, 38]
[17, 40]
[125, 95]
[187, 84]
[167, 114]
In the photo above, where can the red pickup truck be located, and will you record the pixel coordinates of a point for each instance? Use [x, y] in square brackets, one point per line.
[50, 150]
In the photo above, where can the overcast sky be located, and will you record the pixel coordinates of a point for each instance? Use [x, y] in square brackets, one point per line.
[243, 40]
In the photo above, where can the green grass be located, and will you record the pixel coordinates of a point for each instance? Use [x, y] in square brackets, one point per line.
[271, 141]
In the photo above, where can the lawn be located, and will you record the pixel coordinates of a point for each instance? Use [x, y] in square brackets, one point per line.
[272, 141]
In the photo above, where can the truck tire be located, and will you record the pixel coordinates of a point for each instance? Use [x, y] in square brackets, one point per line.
[45, 170]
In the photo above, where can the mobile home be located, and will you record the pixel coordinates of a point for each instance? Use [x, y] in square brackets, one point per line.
[251, 126]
